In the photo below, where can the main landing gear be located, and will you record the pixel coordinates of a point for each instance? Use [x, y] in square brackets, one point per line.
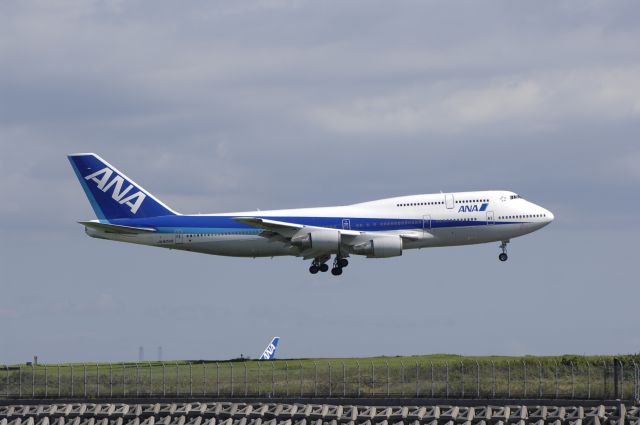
[338, 265]
[503, 256]
[320, 265]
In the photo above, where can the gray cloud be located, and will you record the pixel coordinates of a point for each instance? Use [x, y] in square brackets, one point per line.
[269, 104]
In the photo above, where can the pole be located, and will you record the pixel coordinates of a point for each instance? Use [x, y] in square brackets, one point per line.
[217, 380]
[46, 382]
[540, 390]
[493, 375]
[150, 379]
[373, 379]
[59, 382]
[461, 379]
[190, 380]
[124, 386]
[315, 383]
[573, 382]
[329, 367]
[508, 379]
[231, 377]
[417, 380]
[97, 380]
[33, 380]
[84, 371]
[477, 379]
[164, 380]
[446, 374]
[137, 380]
[273, 379]
[177, 380]
[359, 378]
[344, 381]
[110, 379]
[300, 379]
[246, 380]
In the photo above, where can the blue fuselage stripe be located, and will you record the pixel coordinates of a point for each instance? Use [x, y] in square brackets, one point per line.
[226, 224]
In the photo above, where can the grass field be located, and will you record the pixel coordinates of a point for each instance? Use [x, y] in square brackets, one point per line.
[438, 375]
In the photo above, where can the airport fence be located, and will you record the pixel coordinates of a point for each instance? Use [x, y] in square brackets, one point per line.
[585, 380]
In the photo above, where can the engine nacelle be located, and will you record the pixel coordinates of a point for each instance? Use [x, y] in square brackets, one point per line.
[320, 240]
[381, 247]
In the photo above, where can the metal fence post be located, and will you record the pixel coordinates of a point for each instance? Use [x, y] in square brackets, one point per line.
[358, 365]
[461, 379]
[177, 380]
[231, 377]
[330, 383]
[97, 380]
[557, 384]
[286, 376]
[20, 381]
[59, 381]
[315, 382]
[72, 381]
[344, 381]
[164, 380]
[493, 375]
[573, 382]
[33, 380]
[621, 379]
[588, 380]
[433, 382]
[477, 379]
[402, 378]
[7, 369]
[84, 372]
[46, 382]
[508, 379]
[446, 378]
[373, 379]
[204, 378]
[273, 380]
[124, 386]
[217, 379]
[259, 379]
[540, 389]
[137, 380]
[301, 389]
[417, 380]
[387, 364]
[190, 380]
[524, 372]
[110, 379]
[150, 379]
[246, 380]
[604, 371]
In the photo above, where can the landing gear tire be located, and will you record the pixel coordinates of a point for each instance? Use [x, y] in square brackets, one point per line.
[324, 268]
[503, 246]
[314, 269]
[343, 262]
[336, 271]
[503, 257]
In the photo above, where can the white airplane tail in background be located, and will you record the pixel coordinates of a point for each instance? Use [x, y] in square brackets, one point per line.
[270, 352]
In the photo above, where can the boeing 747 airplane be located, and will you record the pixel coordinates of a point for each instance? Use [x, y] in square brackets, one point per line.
[376, 229]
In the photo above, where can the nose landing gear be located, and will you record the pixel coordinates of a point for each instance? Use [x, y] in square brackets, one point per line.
[503, 246]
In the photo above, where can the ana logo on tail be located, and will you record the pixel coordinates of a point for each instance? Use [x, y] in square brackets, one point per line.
[105, 182]
[270, 351]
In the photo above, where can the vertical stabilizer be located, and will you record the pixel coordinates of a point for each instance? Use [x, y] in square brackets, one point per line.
[112, 194]
[270, 352]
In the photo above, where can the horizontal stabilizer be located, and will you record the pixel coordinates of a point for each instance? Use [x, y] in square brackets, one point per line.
[114, 228]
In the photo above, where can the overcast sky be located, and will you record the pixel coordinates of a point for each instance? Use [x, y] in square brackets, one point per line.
[226, 106]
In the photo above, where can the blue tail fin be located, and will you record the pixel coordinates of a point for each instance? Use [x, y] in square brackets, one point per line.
[112, 194]
[270, 351]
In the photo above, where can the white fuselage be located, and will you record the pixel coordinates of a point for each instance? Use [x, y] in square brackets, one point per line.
[429, 220]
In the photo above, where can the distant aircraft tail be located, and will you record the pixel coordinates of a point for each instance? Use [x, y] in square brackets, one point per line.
[112, 194]
[270, 351]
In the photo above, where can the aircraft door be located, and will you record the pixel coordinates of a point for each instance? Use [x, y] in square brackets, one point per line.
[178, 237]
[426, 223]
[346, 224]
[449, 201]
[490, 218]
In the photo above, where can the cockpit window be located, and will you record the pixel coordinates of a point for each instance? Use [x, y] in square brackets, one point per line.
[516, 197]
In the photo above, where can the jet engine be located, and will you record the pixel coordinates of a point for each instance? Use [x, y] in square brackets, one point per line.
[319, 240]
[381, 247]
